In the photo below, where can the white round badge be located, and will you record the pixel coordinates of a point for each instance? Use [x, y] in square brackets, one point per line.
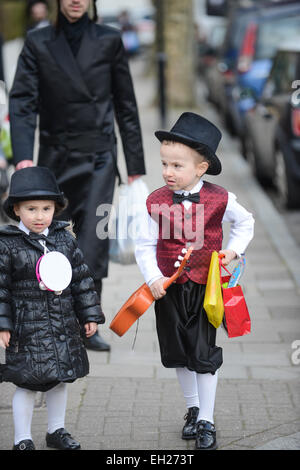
[55, 271]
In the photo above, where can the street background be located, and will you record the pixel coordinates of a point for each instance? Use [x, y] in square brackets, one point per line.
[129, 400]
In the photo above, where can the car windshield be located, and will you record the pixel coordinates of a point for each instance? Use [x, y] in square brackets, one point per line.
[273, 32]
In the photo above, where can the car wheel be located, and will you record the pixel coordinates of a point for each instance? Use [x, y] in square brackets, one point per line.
[288, 190]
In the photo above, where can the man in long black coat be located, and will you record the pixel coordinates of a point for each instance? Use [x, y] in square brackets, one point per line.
[75, 76]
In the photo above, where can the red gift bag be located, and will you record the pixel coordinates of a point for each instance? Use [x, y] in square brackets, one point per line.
[236, 320]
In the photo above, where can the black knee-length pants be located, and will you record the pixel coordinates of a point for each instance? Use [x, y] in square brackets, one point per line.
[186, 338]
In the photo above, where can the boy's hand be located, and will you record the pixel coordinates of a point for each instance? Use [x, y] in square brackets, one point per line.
[157, 288]
[4, 339]
[90, 329]
[229, 256]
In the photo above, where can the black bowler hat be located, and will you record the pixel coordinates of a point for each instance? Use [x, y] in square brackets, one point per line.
[196, 131]
[32, 183]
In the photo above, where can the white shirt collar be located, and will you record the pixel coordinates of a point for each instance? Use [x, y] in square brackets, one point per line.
[195, 189]
[26, 230]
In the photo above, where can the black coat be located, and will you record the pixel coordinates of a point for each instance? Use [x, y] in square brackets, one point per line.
[78, 96]
[77, 100]
[45, 346]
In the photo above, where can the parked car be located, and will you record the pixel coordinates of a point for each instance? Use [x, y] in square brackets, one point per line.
[253, 36]
[273, 127]
[209, 44]
[220, 75]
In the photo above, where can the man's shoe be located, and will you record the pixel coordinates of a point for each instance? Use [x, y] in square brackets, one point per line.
[206, 436]
[27, 444]
[96, 343]
[62, 440]
[189, 430]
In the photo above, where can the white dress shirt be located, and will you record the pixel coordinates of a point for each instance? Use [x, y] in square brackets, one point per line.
[241, 233]
[26, 230]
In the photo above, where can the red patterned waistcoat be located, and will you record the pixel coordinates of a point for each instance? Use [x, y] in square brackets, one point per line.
[199, 226]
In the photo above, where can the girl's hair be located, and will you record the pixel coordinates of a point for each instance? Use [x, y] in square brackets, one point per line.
[59, 208]
[94, 14]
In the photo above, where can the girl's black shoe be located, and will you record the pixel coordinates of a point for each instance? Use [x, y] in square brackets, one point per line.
[27, 444]
[189, 430]
[62, 440]
[206, 436]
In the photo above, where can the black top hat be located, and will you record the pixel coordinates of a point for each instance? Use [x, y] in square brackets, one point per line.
[32, 183]
[196, 131]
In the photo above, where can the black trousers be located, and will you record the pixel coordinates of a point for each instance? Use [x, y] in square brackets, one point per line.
[88, 182]
[186, 338]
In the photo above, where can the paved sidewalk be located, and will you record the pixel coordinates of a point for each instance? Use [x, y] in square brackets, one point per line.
[130, 401]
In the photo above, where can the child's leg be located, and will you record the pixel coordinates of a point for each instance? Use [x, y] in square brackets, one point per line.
[23, 404]
[56, 400]
[188, 383]
[207, 386]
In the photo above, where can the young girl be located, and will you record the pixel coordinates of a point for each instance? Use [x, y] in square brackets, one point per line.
[184, 212]
[40, 329]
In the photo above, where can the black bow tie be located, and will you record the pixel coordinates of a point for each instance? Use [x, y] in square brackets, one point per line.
[178, 198]
[37, 236]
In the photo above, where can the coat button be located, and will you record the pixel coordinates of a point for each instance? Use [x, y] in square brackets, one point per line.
[70, 372]
[62, 337]
[188, 216]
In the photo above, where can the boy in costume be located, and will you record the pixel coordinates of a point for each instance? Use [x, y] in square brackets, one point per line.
[189, 211]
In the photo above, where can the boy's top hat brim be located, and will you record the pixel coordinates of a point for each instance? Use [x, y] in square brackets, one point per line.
[33, 183]
[194, 131]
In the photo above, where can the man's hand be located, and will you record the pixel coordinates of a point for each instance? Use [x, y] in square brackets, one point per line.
[24, 164]
[132, 178]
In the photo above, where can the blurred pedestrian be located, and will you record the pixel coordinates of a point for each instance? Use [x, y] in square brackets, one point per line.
[129, 33]
[75, 75]
[38, 328]
[37, 14]
[186, 338]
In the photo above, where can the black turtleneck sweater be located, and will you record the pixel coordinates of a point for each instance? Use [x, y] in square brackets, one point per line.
[74, 31]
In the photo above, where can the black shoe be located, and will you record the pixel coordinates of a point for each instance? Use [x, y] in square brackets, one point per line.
[27, 444]
[96, 343]
[62, 440]
[189, 430]
[206, 436]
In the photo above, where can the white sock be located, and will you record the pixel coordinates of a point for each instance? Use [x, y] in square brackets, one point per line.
[207, 386]
[23, 404]
[56, 400]
[188, 382]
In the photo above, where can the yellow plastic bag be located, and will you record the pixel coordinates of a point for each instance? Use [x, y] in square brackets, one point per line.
[213, 299]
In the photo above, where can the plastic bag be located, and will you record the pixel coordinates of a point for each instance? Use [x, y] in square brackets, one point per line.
[236, 320]
[213, 300]
[127, 224]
